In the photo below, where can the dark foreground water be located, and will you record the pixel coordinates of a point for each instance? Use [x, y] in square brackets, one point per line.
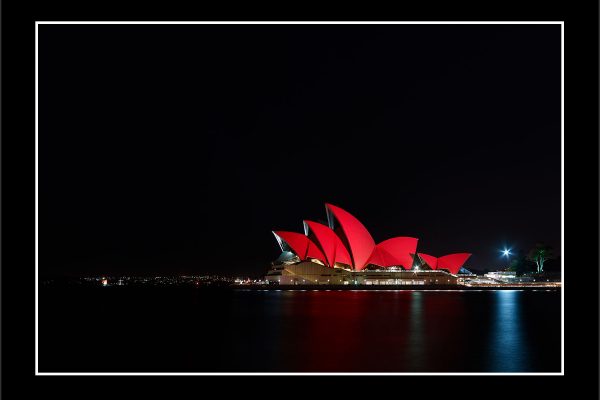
[161, 329]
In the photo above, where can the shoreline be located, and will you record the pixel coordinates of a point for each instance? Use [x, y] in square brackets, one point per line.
[259, 287]
[394, 287]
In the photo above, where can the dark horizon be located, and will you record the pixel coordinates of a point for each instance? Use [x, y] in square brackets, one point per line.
[177, 149]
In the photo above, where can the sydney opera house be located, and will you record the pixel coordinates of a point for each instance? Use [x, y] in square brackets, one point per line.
[344, 253]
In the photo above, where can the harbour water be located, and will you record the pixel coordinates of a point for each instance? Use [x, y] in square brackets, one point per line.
[181, 329]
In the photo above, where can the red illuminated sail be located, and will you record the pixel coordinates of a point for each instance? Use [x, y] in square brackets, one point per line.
[347, 241]
[453, 262]
[358, 238]
[299, 244]
[397, 251]
[431, 261]
[329, 243]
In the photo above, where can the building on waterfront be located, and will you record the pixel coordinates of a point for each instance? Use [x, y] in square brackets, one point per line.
[501, 276]
[343, 252]
[312, 273]
[510, 277]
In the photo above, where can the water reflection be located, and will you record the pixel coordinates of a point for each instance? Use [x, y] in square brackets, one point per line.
[415, 342]
[444, 332]
[327, 331]
[508, 350]
[391, 331]
[301, 331]
[371, 331]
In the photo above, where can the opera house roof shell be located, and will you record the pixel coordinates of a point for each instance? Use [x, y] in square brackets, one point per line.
[346, 242]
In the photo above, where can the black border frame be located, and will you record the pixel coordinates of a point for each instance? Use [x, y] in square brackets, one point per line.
[581, 201]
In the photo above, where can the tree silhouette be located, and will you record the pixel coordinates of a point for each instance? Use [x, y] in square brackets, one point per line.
[520, 264]
[540, 254]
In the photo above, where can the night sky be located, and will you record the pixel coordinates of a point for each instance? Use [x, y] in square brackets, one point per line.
[177, 149]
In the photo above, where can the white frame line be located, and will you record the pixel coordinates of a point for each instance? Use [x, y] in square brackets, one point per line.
[561, 23]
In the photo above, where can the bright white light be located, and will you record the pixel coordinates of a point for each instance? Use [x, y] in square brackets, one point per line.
[506, 252]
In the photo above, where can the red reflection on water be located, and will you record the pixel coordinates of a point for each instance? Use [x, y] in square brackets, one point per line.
[347, 330]
[353, 331]
[444, 332]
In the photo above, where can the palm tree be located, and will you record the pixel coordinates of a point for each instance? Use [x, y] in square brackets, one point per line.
[540, 254]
